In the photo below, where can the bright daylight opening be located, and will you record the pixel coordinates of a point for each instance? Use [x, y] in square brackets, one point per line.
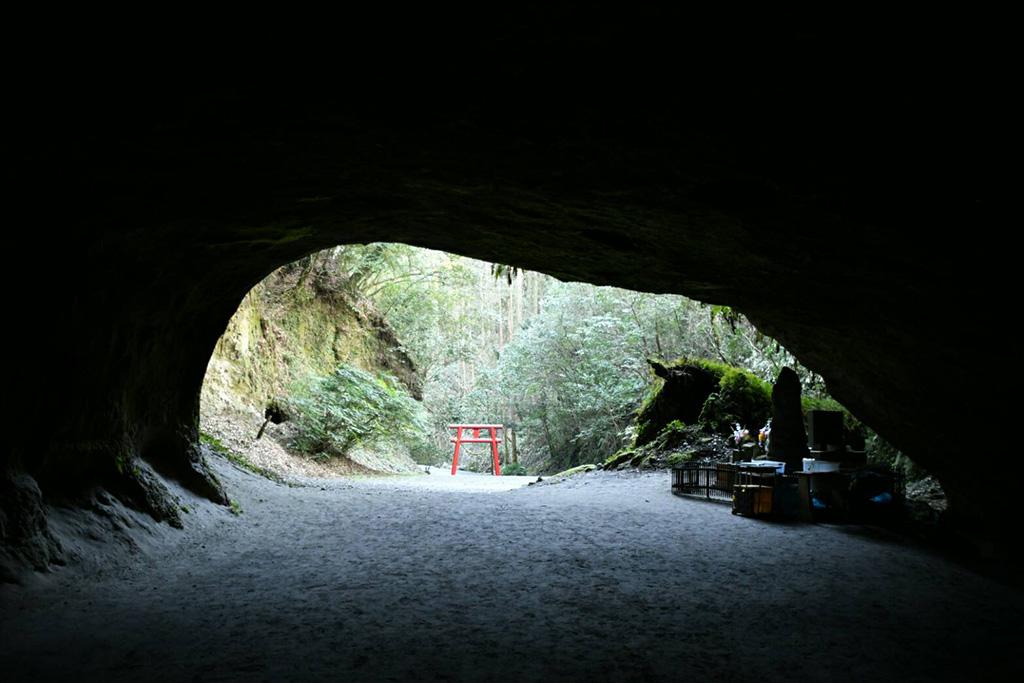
[366, 359]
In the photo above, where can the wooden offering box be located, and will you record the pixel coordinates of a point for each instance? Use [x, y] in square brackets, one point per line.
[752, 500]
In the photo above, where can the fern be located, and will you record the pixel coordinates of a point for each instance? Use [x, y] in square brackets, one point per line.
[351, 407]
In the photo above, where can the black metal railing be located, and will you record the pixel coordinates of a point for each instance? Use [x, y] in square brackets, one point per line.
[709, 479]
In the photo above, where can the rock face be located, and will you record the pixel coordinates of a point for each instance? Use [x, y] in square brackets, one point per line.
[793, 176]
[788, 441]
[681, 397]
[25, 537]
[300, 320]
[713, 396]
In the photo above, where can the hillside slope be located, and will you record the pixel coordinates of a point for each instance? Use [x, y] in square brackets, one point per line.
[299, 322]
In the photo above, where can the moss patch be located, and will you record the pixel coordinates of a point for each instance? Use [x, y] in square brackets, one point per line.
[742, 398]
[574, 470]
[618, 458]
[705, 393]
[295, 324]
[675, 443]
[674, 459]
[236, 458]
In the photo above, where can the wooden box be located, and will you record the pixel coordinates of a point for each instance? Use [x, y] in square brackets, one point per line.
[752, 501]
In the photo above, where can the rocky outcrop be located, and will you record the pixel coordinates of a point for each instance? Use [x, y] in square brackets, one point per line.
[298, 322]
[681, 394]
[25, 537]
[713, 396]
[795, 176]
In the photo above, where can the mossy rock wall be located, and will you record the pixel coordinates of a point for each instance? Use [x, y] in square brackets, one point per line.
[286, 329]
[713, 395]
[740, 398]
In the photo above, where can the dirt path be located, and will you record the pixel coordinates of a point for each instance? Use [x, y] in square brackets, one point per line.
[605, 577]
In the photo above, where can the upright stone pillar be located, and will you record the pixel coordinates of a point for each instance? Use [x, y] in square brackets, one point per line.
[788, 441]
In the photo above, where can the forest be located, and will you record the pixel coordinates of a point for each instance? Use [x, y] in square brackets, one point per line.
[563, 365]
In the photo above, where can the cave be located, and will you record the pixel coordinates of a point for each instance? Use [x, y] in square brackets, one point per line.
[840, 193]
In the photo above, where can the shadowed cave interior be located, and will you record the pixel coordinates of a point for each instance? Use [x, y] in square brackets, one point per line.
[840, 200]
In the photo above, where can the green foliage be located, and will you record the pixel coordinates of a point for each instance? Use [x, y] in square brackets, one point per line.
[502, 271]
[619, 457]
[563, 364]
[649, 420]
[679, 458]
[741, 398]
[736, 395]
[669, 437]
[676, 443]
[717, 368]
[640, 458]
[514, 469]
[336, 412]
[727, 314]
[673, 435]
[215, 445]
[573, 373]
[880, 451]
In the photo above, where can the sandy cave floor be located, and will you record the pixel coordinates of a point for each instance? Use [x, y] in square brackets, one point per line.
[604, 577]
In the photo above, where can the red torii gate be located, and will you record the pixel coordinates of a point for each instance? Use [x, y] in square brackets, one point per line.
[458, 440]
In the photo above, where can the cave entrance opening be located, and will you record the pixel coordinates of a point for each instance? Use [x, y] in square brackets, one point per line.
[356, 359]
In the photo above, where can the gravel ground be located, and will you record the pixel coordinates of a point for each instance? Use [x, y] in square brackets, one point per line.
[604, 577]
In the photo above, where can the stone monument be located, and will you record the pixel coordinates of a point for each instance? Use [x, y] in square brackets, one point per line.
[788, 441]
